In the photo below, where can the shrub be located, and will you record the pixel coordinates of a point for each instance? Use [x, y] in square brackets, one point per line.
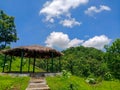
[66, 74]
[91, 80]
[108, 76]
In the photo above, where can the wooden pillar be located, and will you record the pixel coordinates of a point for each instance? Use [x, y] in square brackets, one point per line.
[44, 64]
[10, 64]
[4, 62]
[34, 62]
[52, 62]
[47, 65]
[29, 65]
[59, 64]
[22, 56]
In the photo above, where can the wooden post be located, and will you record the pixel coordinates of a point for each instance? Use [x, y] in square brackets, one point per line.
[52, 62]
[34, 62]
[4, 63]
[22, 55]
[44, 67]
[29, 65]
[59, 64]
[47, 65]
[10, 64]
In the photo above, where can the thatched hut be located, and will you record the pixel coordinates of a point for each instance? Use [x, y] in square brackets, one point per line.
[34, 52]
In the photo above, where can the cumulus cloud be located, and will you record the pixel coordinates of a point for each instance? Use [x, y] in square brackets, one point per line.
[58, 8]
[70, 23]
[61, 41]
[93, 10]
[97, 42]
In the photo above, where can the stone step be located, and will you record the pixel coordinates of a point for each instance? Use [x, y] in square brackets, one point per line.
[36, 81]
[43, 88]
[37, 84]
[33, 86]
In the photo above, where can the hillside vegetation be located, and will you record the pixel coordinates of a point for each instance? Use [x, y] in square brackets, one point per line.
[77, 83]
[90, 62]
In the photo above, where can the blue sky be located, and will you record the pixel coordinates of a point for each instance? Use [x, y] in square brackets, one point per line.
[62, 24]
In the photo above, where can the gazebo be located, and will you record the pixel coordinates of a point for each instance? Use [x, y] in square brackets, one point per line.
[34, 52]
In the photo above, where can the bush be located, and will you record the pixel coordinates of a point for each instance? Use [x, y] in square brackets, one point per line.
[91, 80]
[108, 76]
[66, 74]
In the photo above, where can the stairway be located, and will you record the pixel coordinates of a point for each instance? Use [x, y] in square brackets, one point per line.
[37, 84]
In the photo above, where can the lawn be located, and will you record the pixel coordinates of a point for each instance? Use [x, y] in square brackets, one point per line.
[77, 83]
[13, 82]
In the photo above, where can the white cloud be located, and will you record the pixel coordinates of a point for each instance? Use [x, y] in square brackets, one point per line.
[61, 41]
[74, 42]
[60, 8]
[70, 22]
[97, 42]
[93, 9]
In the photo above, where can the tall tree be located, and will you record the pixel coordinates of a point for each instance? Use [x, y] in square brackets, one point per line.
[113, 60]
[7, 30]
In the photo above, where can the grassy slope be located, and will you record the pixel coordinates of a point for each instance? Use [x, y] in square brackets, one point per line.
[13, 83]
[57, 83]
[16, 65]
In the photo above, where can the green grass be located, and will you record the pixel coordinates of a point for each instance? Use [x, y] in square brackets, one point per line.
[16, 65]
[59, 83]
[13, 83]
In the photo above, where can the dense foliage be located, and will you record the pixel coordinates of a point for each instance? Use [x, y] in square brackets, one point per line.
[7, 30]
[113, 58]
[83, 61]
[89, 62]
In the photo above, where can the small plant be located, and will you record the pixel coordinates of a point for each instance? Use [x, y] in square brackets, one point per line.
[91, 80]
[66, 74]
[99, 79]
[108, 76]
[73, 86]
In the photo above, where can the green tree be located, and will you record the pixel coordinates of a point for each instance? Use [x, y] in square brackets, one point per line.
[84, 61]
[113, 58]
[7, 30]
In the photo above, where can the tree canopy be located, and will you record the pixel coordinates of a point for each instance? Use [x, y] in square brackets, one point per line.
[7, 30]
[113, 58]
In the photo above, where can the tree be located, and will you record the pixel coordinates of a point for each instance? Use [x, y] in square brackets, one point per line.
[84, 61]
[7, 30]
[113, 58]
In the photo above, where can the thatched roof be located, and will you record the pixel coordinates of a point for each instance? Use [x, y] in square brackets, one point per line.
[33, 51]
